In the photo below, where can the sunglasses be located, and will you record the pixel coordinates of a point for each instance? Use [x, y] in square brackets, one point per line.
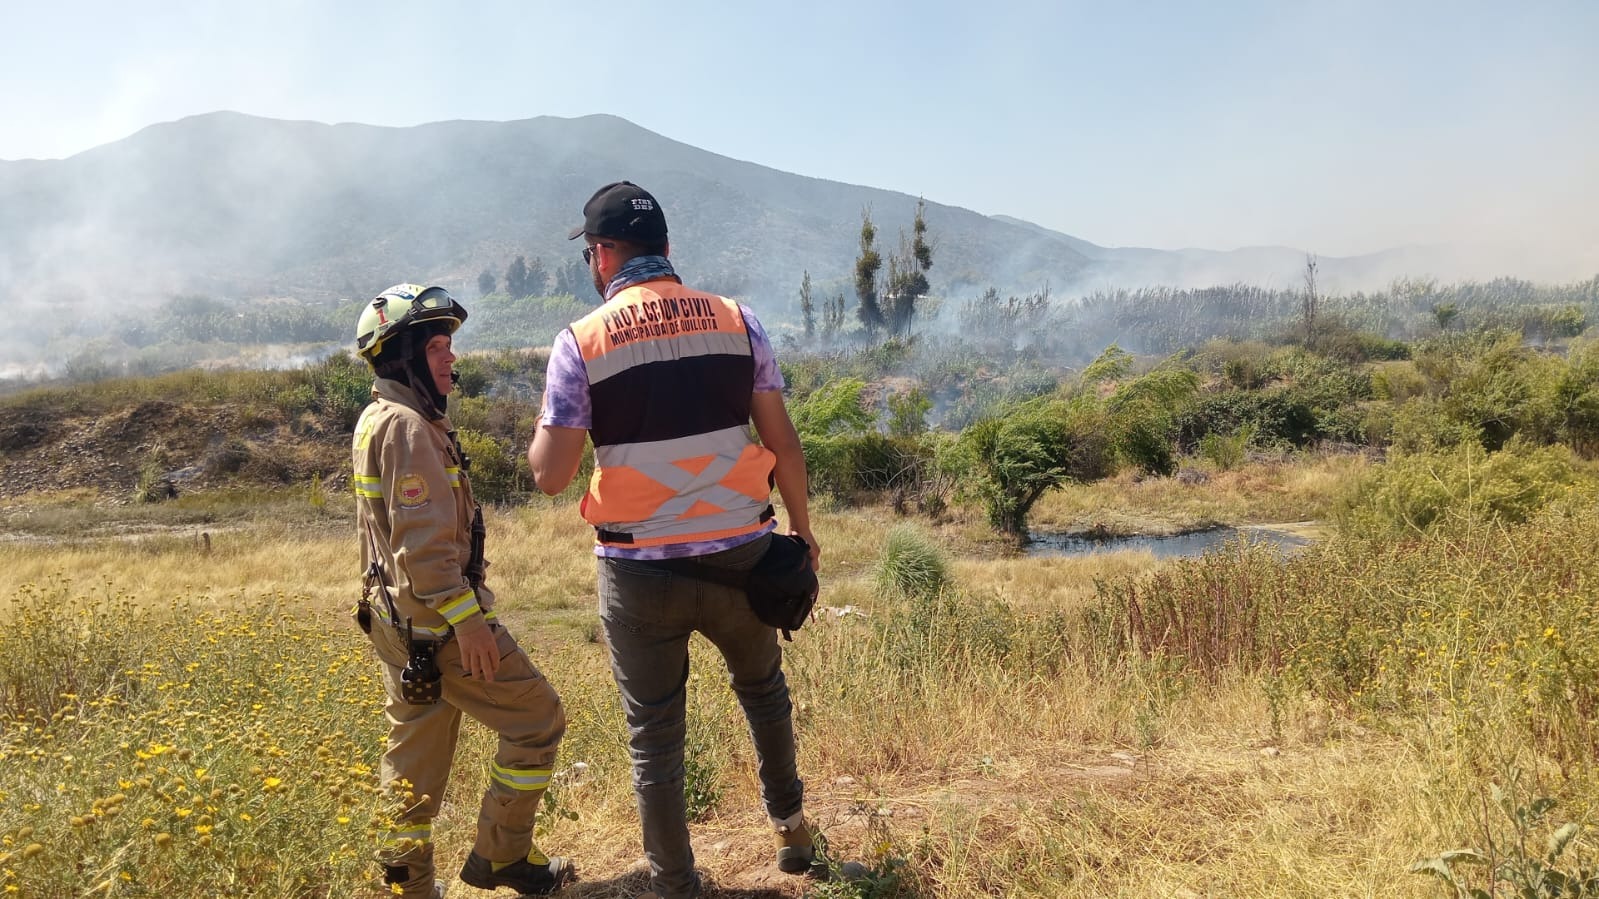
[588, 251]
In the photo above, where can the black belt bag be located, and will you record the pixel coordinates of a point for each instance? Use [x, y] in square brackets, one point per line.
[781, 588]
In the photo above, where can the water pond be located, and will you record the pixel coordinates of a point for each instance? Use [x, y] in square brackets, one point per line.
[1171, 546]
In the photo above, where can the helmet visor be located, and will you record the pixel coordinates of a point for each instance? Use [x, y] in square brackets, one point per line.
[435, 302]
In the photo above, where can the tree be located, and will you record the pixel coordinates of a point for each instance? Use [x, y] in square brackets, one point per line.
[832, 316]
[1312, 300]
[537, 278]
[867, 265]
[907, 274]
[1024, 450]
[1444, 314]
[516, 278]
[572, 278]
[485, 283]
[807, 307]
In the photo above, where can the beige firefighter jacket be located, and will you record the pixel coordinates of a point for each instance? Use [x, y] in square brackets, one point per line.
[414, 509]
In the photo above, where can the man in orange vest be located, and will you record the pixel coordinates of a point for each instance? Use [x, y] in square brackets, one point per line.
[666, 381]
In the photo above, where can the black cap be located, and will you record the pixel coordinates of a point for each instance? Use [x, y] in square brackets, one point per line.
[625, 211]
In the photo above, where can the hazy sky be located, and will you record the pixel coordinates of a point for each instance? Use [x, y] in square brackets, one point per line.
[1338, 127]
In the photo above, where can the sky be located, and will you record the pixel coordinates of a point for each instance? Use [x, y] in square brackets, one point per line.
[1336, 127]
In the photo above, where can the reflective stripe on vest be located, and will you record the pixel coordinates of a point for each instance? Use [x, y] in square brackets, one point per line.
[671, 374]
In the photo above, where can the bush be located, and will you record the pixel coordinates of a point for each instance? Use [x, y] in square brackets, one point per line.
[1396, 381]
[1143, 418]
[1415, 490]
[1276, 414]
[833, 408]
[1577, 399]
[343, 386]
[844, 464]
[498, 474]
[1424, 425]
[1492, 383]
[912, 565]
[1024, 450]
[1492, 625]
[1227, 451]
[472, 376]
[907, 412]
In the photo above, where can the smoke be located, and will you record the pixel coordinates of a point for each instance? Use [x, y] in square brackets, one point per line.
[241, 210]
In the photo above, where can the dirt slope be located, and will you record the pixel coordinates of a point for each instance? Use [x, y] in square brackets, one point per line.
[190, 447]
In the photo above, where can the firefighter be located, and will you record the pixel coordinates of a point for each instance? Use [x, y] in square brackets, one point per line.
[430, 615]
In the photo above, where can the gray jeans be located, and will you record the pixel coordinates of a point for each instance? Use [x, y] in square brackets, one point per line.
[649, 615]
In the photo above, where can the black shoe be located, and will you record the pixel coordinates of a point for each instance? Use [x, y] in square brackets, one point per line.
[521, 875]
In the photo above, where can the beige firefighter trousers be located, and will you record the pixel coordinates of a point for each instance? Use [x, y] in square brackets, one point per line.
[519, 705]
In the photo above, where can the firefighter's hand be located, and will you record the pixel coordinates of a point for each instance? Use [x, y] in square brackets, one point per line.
[480, 653]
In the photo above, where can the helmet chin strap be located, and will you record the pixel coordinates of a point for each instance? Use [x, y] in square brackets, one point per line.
[403, 369]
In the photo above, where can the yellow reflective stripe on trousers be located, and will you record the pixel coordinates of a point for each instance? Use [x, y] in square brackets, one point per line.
[520, 778]
[460, 608]
[368, 486]
[409, 833]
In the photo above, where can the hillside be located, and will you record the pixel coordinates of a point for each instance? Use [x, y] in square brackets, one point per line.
[182, 433]
[236, 206]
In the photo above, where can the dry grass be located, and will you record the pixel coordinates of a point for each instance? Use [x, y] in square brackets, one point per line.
[1265, 492]
[985, 778]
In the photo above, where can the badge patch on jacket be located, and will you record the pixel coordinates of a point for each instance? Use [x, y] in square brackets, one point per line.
[413, 491]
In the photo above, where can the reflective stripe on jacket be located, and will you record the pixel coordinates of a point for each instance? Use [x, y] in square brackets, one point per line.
[414, 508]
[671, 375]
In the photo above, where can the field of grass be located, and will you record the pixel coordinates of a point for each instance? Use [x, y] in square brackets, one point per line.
[189, 711]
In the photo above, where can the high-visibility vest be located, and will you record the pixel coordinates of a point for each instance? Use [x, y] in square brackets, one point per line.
[671, 375]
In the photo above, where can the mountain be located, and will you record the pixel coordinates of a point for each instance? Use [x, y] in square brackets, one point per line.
[1284, 267]
[234, 206]
[241, 208]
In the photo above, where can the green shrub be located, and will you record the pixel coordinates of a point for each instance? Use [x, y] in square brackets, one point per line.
[1111, 365]
[1396, 381]
[1491, 382]
[473, 376]
[833, 408]
[498, 473]
[1243, 374]
[1276, 414]
[1415, 490]
[1577, 399]
[907, 412]
[913, 565]
[1227, 451]
[1146, 443]
[848, 463]
[1512, 855]
[1143, 417]
[1424, 425]
[1024, 450]
[343, 386]
[880, 463]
